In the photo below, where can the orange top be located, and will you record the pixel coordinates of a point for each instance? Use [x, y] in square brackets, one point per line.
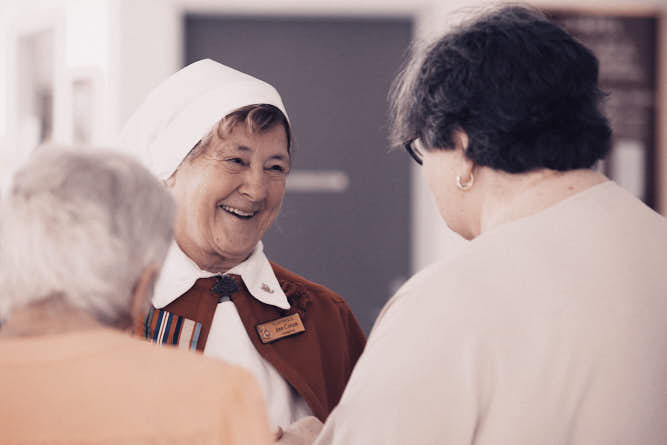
[101, 386]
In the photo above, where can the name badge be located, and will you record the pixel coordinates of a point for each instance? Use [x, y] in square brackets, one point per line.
[280, 328]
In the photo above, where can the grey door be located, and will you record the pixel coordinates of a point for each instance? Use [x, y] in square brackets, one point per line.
[345, 217]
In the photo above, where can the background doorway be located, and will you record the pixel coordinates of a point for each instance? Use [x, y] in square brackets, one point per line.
[345, 221]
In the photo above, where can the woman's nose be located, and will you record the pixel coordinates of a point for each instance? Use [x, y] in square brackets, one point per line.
[254, 185]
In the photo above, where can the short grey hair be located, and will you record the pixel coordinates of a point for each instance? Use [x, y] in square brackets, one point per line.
[82, 225]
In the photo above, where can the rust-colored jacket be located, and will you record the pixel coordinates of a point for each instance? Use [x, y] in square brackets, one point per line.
[317, 362]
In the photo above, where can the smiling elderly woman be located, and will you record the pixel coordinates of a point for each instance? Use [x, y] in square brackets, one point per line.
[230, 187]
[221, 140]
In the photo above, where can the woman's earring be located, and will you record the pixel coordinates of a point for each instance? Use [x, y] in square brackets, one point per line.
[467, 185]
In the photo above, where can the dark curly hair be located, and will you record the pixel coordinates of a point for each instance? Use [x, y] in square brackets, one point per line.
[523, 89]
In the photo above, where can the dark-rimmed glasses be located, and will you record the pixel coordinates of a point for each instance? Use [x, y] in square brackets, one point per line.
[416, 150]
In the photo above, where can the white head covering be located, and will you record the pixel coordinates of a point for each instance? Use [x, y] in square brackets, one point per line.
[183, 109]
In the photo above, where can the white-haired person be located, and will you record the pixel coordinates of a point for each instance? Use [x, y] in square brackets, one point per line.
[221, 141]
[83, 236]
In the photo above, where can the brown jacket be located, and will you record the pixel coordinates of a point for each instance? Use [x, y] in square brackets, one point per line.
[317, 362]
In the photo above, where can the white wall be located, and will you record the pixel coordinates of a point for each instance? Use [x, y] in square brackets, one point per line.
[128, 46]
[80, 45]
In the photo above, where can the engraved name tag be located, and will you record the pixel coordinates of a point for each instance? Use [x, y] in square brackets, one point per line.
[282, 327]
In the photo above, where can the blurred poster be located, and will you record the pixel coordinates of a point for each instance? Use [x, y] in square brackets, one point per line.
[628, 164]
[82, 111]
[34, 91]
[626, 47]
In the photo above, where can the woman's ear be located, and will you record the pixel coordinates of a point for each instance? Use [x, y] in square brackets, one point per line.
[142, 294]
[467, 165]
[461, 139]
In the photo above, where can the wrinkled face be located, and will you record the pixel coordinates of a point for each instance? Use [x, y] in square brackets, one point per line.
[228, 196]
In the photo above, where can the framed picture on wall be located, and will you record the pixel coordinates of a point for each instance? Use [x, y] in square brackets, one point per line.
[84, 100]
[626, 44]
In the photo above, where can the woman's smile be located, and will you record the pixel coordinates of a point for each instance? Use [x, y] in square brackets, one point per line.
[239, 213]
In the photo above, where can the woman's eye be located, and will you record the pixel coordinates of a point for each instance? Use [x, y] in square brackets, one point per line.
[238, 161]
[277, 169]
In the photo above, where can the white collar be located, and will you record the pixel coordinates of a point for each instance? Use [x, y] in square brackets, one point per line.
[179, 274]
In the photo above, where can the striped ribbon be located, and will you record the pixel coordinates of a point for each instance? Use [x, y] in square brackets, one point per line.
[163, 327]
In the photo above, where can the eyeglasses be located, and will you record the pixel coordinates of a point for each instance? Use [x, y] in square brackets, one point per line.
[416, 150]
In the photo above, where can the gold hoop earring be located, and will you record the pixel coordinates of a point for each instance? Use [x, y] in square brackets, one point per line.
[467, 185]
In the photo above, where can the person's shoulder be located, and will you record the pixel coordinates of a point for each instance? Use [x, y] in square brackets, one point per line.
[442, 286]
[179, 394]
[191, 375]
[434, 274]
[292, 282]
[166, 361]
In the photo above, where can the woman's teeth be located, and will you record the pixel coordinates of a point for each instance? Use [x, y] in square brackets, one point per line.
[237, 212]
